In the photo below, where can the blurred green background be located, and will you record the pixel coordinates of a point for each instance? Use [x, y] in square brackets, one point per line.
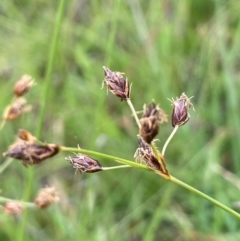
[165, 48]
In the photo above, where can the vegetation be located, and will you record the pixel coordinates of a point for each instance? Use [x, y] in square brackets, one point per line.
[165, 48]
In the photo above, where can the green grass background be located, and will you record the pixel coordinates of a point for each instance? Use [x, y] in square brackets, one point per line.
[165, 48]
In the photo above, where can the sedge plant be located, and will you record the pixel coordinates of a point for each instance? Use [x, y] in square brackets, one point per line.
[31, 151]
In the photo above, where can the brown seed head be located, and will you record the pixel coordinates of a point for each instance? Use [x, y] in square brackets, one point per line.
[14, 208]
[154, 110]
[22, 86]
[17, 108]
[116, 84]
[151, 119]
[30, 151]
[144, 154]
[84, 163]
[180, 115]
[46, 197]
[149, 128]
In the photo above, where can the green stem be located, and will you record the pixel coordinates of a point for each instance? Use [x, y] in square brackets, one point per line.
[2, 124]
[134, 113]
[25, 204]
[169, 139]
[20, 234]
[4, 120]
[170, 178]
[5, 165]
[201, 194]
[51, 59]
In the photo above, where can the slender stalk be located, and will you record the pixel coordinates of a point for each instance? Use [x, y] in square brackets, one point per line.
[5, 200]
[51, 58]
[169, 139]
[25, 204]
[114, 167]
[167, 177]
[134, 113]
[5, 164]
[201, 194]
[3, 122]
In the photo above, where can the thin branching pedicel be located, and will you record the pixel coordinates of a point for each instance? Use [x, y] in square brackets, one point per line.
[180, 115]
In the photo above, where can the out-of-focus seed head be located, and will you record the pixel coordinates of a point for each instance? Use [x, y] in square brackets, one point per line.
[145, 155]
[14, 208]
[23, 85]
[84, 163]
[151, 119]
[46, 197]
[30, 151]
[180, 115]
[116, 83]
[17, 108]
